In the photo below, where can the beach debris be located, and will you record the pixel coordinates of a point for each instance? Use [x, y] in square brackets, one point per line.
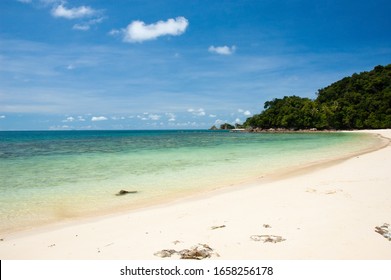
[198, 252]
[384, 230]
[165, 253]
[267, 238]
[216, 227]
[176, 242]
[123, 192]
[52, 245]
[1, 239]
[266, 226]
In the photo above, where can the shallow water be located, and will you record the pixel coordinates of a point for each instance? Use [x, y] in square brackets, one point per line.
[54, 175]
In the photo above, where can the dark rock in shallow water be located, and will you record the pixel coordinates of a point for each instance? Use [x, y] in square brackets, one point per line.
[123, 192]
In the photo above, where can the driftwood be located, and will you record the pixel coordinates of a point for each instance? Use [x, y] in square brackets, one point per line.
[123, 192]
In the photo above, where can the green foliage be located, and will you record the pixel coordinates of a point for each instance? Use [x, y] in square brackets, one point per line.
[357, 102]
[289, 112]
[226, 126]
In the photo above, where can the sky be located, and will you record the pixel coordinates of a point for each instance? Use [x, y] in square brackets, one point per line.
[173, 64]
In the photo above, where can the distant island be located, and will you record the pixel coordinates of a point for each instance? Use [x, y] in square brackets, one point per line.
[361, 101]
[224, 126]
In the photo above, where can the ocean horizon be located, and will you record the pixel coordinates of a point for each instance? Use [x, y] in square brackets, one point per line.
[52, 176]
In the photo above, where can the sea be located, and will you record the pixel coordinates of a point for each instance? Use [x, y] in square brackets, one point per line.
[54, 176]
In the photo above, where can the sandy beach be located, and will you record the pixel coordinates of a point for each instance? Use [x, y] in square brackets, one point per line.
[328, 211]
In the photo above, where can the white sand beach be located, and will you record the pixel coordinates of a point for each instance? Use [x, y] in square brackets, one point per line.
[328, 211]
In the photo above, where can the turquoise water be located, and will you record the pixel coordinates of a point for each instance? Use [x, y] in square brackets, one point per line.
[55, 175]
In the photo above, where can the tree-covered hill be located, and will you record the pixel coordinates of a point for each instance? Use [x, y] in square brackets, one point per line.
[357, 102]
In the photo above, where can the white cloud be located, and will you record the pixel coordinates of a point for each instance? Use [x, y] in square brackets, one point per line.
[199, 112]
[85, 26]
[73, 13]
[72, 119]
[82, 27]
[118, 118]
[96, 119]
[154, 117]
[59, 10]
[237, 120]
[147, 116]
[114, 32]
[138, 31]
[2, 117]
[212, 116]
[171, 117]
[69, 119]
[218, 122]
[247, 113]
[187, 124]
[224, 50]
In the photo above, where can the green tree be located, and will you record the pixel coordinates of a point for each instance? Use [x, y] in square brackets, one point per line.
[360, 101]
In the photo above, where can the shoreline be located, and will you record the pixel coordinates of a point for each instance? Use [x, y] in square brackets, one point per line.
[282, 172]
[65, 214]
[186, 222]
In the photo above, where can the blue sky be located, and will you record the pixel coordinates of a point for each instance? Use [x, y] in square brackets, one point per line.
[148, 64]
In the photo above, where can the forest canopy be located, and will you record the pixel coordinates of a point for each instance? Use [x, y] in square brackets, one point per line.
[361, 101]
